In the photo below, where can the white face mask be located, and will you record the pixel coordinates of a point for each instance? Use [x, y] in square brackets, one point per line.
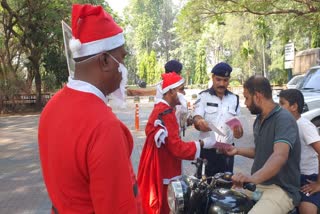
[182, 100]
[119, 95]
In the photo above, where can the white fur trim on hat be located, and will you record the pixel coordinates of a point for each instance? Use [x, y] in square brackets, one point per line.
[74, 45]
[166, 89]
[98, 46]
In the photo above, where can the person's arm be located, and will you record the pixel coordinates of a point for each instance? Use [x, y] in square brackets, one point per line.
[313, 186]
[274, 163]
[201, 124]
[198, 119]
[246, 152]
[238, 130]
[316, 147]
[270, 168]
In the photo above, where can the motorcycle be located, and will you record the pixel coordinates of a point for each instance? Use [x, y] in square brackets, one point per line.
[208, 195]
[200, 194]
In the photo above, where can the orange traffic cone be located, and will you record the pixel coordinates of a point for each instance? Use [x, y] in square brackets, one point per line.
[137, 117]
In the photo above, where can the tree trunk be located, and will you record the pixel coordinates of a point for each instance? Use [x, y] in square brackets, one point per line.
[38, 88]
[35, 62]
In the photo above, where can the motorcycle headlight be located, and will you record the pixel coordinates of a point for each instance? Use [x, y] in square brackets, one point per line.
[176, 196]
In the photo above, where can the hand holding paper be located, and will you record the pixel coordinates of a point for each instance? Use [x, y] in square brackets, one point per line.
[233, 122]
[222, 147]
[236, 126]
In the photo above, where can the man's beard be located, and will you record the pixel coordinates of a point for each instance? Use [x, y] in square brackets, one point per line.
[254, 109]
[119, 96]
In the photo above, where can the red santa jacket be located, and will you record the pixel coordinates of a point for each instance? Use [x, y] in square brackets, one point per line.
[159, 165]
[85, 156]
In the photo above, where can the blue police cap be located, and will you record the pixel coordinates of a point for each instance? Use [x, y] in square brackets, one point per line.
[173, 65]
[222, 69]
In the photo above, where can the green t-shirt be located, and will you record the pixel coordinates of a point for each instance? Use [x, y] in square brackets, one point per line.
[279, 126]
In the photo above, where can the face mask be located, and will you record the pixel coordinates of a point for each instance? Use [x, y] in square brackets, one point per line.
[182, 100]
[119, 95]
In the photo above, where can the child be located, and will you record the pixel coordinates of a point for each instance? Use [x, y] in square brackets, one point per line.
[293, 101]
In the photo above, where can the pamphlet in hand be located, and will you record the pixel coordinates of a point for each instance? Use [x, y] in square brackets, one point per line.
[233, 122]
[222, 146]
[216, 129]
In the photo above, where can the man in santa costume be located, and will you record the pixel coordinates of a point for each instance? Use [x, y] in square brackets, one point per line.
[163, 150]
[182, 108]
[84, 148]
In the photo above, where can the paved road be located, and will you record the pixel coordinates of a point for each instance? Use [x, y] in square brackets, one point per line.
[22, 189]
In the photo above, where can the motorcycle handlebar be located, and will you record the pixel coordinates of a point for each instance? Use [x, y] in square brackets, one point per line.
[249, 186]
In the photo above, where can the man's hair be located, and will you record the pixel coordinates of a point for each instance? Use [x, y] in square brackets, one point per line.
[293, 96]
[259, 84]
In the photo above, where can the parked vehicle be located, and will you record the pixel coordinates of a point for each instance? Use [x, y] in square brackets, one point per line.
[314, 117]
[295, 81]
[310, 88]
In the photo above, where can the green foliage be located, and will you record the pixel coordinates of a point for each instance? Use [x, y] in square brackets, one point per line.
[56, 70]
[247, 54]
[149, 70]
[315, 36]
[247, 34]
[254, 32]
[235, 83]
[201, 66]
[149, 26]
[142, 66]
[48, 82]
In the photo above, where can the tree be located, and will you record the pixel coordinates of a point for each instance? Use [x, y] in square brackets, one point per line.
[247, 54]
[268, 25]
[263, 31]
[33, 24]
[201, 65]
[149, 27]
[33, 41]
[149, 69]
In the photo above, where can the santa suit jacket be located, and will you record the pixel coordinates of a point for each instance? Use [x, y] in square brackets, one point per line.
[160, 163]
[85, 153]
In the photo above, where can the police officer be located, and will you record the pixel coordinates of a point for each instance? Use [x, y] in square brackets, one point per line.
[216, 105]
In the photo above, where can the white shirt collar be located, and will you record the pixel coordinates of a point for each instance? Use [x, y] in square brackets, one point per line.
[86, 87]
[162, 101]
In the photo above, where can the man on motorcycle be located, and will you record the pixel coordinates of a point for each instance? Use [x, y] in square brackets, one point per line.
[276, 153]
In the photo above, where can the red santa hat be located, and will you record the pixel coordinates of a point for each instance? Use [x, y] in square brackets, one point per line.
[170, 81]
[93, 31]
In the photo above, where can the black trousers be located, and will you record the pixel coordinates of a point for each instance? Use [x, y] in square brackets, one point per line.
[216, 162]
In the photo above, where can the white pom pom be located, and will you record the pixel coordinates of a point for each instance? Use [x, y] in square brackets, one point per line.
[74, 45]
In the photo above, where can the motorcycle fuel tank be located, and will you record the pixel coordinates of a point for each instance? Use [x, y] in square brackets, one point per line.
[229, 201]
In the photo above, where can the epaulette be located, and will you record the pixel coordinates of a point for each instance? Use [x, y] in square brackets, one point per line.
[197, 101]
[207, 90]
[237, 102]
